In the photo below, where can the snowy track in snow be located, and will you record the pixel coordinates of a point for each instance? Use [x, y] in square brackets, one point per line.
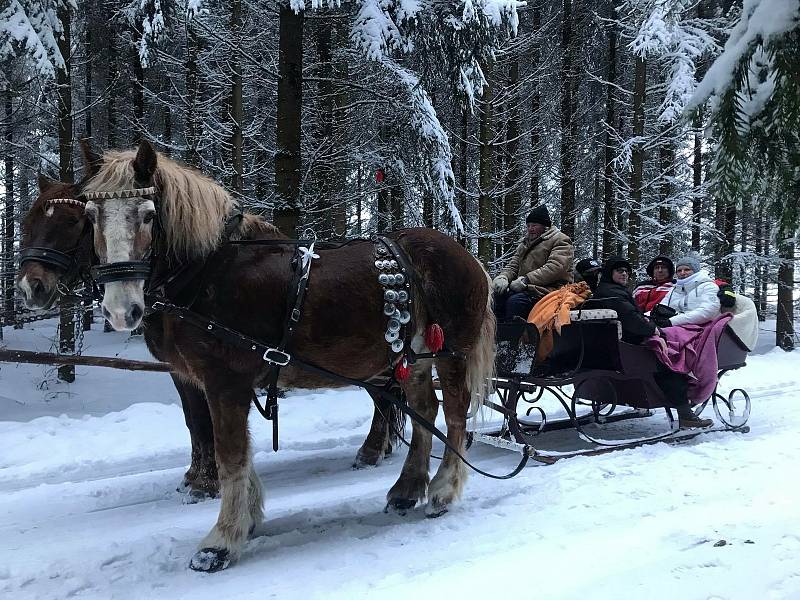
[88, 506]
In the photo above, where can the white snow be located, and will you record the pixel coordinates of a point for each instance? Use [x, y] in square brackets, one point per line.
[88, 506]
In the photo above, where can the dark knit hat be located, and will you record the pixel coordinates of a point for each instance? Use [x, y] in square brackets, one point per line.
[539, 215]
[615, 262]
[587, 265]
[661, 260]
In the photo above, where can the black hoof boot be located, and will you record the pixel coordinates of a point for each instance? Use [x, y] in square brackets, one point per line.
[210, 560]
[400, 505]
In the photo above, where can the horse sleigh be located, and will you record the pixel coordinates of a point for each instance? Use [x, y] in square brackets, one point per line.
[155, 221]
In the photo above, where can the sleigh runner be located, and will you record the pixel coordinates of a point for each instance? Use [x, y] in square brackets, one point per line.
[595, 378]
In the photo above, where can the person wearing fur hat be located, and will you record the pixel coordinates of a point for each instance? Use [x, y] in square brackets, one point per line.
[649, 293]
[612, 292]
[694, 295]
[541, 264]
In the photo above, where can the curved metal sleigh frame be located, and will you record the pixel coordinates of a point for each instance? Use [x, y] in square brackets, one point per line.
[596, 379]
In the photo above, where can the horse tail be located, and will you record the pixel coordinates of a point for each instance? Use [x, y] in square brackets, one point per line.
[480, 361]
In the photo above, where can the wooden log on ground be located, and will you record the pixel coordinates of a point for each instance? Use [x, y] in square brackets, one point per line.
[46, 358]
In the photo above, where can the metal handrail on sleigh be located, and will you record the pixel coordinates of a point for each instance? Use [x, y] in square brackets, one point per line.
[516, 433]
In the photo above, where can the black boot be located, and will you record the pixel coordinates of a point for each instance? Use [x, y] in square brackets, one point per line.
[688, 420]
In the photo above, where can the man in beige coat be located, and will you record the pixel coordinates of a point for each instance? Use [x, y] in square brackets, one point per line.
[541, 264]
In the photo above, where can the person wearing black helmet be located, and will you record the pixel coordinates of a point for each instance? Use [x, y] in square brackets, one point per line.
[636, 327]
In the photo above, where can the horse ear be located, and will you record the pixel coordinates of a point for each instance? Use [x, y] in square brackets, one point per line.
[92, 161]
[145, 163]
[45, 183]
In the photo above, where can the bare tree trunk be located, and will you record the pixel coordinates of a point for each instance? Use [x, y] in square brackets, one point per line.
[237, 111]
[485, 179]
[9, 212]
[111, 104]
[66, 343]
[759, 268]
[666, 156]
[462, 172]
[190, 119]
[747, 220]
[569, 124]
[512, 200]
[536, 102]
[766, 271]
[697, 181]
[609, 208]
[784, 330]
[634, 218]
[289, 110]
[138, 96]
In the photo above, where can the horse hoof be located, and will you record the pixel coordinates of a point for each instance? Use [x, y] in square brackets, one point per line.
[210, 560]
[194, 496]
[400, 505]
[364, 460]
[434, 510]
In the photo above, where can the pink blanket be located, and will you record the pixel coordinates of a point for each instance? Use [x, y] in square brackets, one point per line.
[692, 350]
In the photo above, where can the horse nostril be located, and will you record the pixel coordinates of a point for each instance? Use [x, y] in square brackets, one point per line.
[37, 287]
[136, 313]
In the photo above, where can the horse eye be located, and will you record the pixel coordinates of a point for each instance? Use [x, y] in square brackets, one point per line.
[90, 216]
[149, 217]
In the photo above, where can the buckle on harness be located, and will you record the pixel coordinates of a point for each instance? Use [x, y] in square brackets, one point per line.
[277, 357]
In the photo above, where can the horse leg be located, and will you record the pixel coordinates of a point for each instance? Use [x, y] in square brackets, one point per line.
[413, 482]
[449, 480]
[378, 440]
[201, 477]
[241, 508]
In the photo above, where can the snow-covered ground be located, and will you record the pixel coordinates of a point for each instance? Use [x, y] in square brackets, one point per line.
[89, 509]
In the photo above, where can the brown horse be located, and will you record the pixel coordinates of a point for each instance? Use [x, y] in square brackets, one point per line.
[56, 224]
[245, 288]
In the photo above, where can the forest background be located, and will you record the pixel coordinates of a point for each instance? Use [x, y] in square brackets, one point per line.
[645, 126]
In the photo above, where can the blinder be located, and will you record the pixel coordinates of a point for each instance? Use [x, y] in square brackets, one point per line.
[128, 270]
[48, 256]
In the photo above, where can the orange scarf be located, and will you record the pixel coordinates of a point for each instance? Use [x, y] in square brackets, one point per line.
[552, 312]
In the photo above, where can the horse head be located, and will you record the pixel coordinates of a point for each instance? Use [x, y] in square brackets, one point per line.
[121, 208]
[56, 243]
[148, 213]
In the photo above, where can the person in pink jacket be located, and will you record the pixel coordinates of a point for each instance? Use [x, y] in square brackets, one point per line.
[694, 295]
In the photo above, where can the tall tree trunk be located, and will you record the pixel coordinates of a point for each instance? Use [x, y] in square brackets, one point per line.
[766, 274]
[569, 124]
[289, 111]
[341, 71]
[190, 119]
[485, 180]
[66, 342]
[637, 158]
[697, 182]
[463, 172]
[88, 84]
[397, 204]
[666, 156]
[323, 171]
[536, 102]
[237, 110]
[744, 240]
[112, 83]
[138, 95]
[759, 268]
[512, 199]
[10, 212]
[609, 208]
[784, 330]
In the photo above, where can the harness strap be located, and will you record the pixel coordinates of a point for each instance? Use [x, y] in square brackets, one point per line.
[48, 256]
[239, 339]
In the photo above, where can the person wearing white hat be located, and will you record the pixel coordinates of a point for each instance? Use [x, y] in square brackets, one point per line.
[694, 295]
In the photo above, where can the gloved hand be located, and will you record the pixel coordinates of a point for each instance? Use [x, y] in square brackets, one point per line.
[727, 297]
[500, 284]
[520, 284]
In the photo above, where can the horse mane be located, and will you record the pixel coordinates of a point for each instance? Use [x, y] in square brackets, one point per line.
[193, 207]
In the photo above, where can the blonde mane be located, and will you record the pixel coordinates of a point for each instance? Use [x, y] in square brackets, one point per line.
[193, 207]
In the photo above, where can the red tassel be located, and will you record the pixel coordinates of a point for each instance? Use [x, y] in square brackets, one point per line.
[434, 337]
[402, 370]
